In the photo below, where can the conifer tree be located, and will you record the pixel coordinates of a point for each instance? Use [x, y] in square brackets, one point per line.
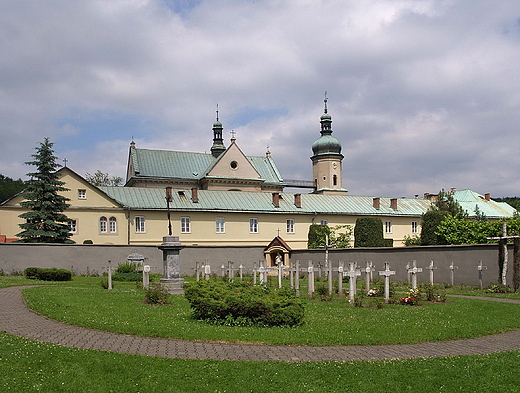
[45, 221]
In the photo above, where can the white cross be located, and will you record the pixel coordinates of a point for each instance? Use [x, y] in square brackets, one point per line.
[387, 273]
[413, 271]
[431, 268]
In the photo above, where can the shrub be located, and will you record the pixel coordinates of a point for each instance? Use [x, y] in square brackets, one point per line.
[88, 241]
[126, 267]
[48, 274]
[156, 294]
[240, 303]
[104, 283]
[368, 232]
[498, 288]
[128, 277]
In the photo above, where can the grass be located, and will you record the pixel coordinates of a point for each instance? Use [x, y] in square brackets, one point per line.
[122, 310]
[27, 366]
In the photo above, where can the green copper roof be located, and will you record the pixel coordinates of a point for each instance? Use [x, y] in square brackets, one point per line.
[194, 166]
[262, 202]
[468, 200]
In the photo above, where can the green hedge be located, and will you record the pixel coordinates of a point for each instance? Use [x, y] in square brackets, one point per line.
[43, 274]
[129, 277]
[243, 304]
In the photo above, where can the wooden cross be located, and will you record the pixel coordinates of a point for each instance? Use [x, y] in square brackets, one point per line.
[480, 267]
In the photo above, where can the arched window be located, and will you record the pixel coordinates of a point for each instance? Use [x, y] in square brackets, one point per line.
[112, 225]
[103, 225]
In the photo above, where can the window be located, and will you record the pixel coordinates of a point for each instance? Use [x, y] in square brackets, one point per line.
[103, 225]
[388, 227]
[185, 225]
[73, 226]
[220, 225]
[290, 226]
[112, 225]
[233, 165]
[82, 194]
[139, 224]
[415, 227]
[335, 180]
[324, 222]
[253, 225]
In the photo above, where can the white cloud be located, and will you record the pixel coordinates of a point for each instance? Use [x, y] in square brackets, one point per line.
[423, 93]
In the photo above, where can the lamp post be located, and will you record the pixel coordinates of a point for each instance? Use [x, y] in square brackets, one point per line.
[169, 198]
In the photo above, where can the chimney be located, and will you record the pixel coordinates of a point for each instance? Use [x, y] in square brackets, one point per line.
[377, 203]
[393, 203]
[195, 195]
[276, 199]
[298, 200]
[416, 196]
[487, 196]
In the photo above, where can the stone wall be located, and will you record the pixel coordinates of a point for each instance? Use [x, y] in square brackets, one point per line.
[83, 257]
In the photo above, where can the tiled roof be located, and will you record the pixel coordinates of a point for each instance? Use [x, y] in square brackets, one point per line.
[163, 164]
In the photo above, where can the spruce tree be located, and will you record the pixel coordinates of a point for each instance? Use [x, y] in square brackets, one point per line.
[45, 221]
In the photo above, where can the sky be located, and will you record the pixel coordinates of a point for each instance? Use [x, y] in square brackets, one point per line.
[424, 94]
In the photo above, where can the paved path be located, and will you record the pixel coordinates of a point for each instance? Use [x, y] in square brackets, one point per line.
[17, 319]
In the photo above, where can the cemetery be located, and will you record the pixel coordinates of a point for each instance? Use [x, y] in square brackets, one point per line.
[338, 305]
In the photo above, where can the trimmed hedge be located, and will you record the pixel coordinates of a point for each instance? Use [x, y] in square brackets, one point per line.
[241, 304]
[43, 274]
[368, 232]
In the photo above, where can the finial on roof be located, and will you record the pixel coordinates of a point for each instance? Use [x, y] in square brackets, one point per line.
[233, 135]
[268, 153]
[325, 101]
[132, 144]
[65, 161]
[217, 112]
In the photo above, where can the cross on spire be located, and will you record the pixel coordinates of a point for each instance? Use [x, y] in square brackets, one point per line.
[217, 112]
[233, 134]
[325, 101]
[65, 161]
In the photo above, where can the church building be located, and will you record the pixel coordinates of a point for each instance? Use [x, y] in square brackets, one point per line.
[228, 198]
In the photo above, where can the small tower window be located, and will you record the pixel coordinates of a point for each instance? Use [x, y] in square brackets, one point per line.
[335, 180]
[233, 165]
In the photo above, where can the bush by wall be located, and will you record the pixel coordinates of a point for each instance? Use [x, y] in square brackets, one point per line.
[368, 232]
[48, 274]
[242, 304]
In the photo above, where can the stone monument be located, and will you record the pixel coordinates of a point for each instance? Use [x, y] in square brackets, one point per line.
[171, 247]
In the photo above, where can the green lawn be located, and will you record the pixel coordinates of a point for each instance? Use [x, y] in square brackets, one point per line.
[29, 366]
[326, 323]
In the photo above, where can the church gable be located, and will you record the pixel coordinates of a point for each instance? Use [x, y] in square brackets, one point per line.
[233, 164]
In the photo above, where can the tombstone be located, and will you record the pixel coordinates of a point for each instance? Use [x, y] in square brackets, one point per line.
[109, 268]
[368, 274]
[452, 268]
[310, 272]
[340, 279]
[480, 267]
[136, 259]
[353, 272]
[146, 276]
[387, 273]
[207, 271]
[241, 270]
[197, 271]
[413, 272]
[431, 268]
[297, 278]
[172, 280]
[223, 271]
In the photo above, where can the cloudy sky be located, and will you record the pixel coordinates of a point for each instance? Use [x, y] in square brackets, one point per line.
[424, 94]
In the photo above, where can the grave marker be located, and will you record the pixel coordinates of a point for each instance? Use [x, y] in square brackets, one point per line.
[413, 272]
[431, 268]
[353, 273]
[387, 273]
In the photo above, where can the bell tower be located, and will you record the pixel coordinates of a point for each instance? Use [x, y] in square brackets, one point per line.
[218, 143]
[326, 160]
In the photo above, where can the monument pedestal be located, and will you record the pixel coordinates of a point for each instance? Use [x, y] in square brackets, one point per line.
[171, 264]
